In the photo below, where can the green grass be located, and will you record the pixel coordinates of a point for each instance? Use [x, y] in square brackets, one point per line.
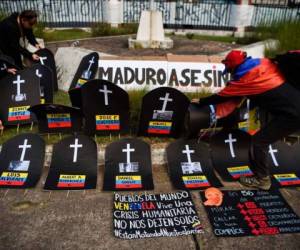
[223, 39]
[64, 34]
[288, 35]
[100, 29]
[105, 29]
[60, 97]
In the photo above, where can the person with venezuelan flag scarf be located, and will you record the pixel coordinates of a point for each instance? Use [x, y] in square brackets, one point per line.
[261, 81]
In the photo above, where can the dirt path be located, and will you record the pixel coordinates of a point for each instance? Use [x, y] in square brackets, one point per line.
[119, 46]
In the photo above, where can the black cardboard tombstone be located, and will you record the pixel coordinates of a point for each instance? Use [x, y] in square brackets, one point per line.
[54, 118]
[198, 118]
[47, 59]
[128, 166]
[6, 62]
[86, 71]
[105, 108]
[229, 150]
[73, 165]
[190, 165]
[284, 162]
[17, 93]
[251, 213]
[163, 112]
[46, 82]
[22, 159]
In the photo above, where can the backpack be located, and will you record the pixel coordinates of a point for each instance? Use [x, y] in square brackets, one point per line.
[289, 65]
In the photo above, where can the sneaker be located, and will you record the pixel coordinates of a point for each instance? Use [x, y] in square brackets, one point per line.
[256, 182]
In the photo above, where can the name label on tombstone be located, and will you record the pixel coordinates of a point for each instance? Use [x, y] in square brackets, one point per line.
[62, 120]
[18, 113]
[107, 122]
[237, 172]
[131, 181]
[287, 179]
[71, 181]
[155, 215]
[156, 127]
[195, 181]
[13, 178]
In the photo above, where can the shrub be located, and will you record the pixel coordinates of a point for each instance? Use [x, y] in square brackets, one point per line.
[286, 32]
[105, 29]
[190, 36]
[2, 15]
[39, 30]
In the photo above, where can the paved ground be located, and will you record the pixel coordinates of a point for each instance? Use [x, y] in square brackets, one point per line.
[37, 219]
[119, 46]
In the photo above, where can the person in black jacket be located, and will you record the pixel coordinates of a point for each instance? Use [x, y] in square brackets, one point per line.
[13, 28]
[264, 84]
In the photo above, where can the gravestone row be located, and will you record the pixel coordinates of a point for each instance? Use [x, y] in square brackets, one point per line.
[128, 162]
[104, 106]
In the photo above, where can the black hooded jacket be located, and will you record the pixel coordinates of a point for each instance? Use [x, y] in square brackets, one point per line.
[10, 35]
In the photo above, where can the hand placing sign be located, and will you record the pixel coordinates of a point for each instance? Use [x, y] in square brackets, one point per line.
[1, 126]
[35, 57]
[12, 71]
[195, 100]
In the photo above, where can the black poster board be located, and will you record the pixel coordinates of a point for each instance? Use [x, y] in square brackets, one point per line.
[105, 108]
[128, 166]
[86, 71]
[47, 59]
[230, 154]
[73, 165]
[251, 213]
[22, 159]
[284, 161]
[17, 93]
[155, 215]
[202, 117]
[45, 75]
[55, 118]
[190, 165]
[163, 112]
[198, 118]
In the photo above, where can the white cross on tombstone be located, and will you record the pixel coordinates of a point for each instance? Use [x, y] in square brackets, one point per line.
[4, 67]
[188, 153]
[18, 83]
[87, 74]
[75, 146]
[37, 72]
[105, 91]
[42, 59]
[272, 153]
[128, 150]
[24, 148]
[166, 99]
[230, 140]
[91, 62]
